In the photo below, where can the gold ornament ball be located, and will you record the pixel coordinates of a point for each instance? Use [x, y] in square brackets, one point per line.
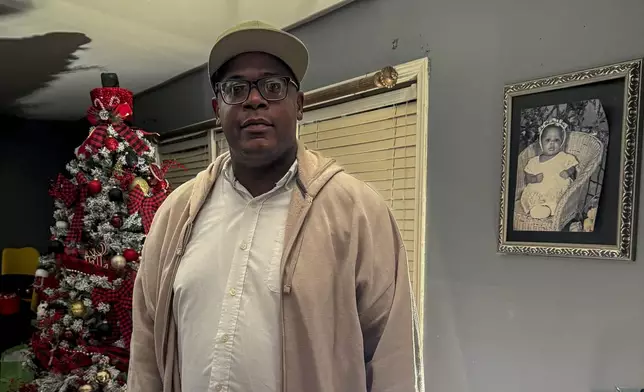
[78, 309]
[118, 262]
[145, 187]
[103, 377]
[85, 388]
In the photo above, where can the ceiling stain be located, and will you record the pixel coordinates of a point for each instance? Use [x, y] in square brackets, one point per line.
[32, 63]
[13, 7]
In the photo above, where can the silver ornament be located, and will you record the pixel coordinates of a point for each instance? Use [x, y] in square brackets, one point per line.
[118, 262]
[62, 225]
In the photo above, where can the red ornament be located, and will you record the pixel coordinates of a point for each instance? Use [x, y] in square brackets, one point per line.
[130, 255]
[94, 187]
[116, 221]
[9, 304]
[124, 110]
[111, 144]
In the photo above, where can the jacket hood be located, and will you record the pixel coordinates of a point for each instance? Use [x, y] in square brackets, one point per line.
[314, 171]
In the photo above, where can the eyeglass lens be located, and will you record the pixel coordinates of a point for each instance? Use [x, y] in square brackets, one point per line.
[237, 91]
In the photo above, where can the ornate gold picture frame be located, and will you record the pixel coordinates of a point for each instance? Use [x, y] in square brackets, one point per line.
[570, 160]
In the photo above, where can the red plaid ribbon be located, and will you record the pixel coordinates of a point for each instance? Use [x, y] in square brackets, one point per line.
[75, 231]
[120, 301]
[64, 190]
[59, 361]
[125, 178]
[161, 184]
[160, 172]
[76, 264]
[145, 206]
[96, 139]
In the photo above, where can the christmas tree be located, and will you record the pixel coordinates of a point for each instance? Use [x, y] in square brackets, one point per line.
[103, 209]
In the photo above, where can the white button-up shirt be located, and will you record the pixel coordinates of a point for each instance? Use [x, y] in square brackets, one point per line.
[227, 291]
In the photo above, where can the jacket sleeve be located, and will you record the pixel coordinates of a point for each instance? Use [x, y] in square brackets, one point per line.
[143, 373]
[387, 313]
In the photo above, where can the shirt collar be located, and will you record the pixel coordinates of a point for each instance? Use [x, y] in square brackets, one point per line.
[284, 182]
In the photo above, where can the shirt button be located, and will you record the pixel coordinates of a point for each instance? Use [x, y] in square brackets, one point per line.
[233, 292]
[219, 387]
[224, 338]
[243, 246]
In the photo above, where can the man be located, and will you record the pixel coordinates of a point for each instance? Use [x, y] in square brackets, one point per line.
[273, 270]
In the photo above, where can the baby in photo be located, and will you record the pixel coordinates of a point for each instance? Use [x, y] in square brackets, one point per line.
[549, 174]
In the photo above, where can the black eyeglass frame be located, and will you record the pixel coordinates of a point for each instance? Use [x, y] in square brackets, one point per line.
[255, 83]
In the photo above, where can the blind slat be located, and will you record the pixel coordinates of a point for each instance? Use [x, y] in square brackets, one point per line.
[186, 145]
[366, 166]
[354, 122]
[379, 147]
[379, 175]
[313, 132]
[188, 156]
[199, 165]
[351, 139]
[191, 151]
[370, 147]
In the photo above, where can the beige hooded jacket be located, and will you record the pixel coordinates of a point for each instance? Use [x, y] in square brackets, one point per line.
[348, 319]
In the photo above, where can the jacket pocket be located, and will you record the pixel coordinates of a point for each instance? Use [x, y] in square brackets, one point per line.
[273, 276]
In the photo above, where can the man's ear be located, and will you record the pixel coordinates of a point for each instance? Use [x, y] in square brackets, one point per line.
[215, 106]
[300, 105]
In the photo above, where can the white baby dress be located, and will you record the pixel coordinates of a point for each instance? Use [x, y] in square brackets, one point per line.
[549, 191]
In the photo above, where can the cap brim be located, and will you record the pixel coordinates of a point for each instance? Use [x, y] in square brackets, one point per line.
[280, 44]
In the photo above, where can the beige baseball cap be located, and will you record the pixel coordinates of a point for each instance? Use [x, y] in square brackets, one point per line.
[256, 36]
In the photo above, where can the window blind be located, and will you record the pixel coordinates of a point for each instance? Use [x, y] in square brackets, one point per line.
[374, 139]
[221, 143]
[191, 151]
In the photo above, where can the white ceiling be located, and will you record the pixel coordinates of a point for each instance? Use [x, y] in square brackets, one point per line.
[144, 41]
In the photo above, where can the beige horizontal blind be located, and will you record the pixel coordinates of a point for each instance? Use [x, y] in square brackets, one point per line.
[191, 151]
[374, 139]
[221, 143]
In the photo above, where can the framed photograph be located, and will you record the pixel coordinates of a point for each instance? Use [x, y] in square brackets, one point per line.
[569, 173]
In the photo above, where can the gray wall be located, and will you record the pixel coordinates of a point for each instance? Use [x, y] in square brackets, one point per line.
[494, 323]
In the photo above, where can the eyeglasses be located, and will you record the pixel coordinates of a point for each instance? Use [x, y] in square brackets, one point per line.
[272, 88]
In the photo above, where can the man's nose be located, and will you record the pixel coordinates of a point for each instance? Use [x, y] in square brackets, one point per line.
[255, 99]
